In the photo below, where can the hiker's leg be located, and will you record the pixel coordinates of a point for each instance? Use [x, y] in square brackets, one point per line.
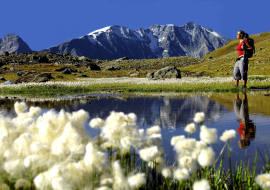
[244, 82]
[236, 73]
[243, 67]
[236, 82]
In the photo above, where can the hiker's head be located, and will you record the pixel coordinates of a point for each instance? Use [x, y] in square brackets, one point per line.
[241, 34]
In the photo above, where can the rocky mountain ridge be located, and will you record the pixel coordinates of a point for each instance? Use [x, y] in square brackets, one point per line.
[158, 41]
[113, 42]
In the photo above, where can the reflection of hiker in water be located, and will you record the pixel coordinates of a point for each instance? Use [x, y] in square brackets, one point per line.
[246, 128]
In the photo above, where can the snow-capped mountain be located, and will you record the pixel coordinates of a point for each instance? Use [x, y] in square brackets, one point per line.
[13, 43]
[157, 41]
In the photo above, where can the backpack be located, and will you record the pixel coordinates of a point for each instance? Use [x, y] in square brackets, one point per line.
[249, 52]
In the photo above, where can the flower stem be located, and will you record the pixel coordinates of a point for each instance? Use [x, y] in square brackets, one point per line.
[230, 162]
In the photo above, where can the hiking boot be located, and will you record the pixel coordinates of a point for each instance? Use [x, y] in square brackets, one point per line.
[244, 87]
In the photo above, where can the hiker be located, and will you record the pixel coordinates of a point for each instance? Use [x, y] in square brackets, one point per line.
[246, 128]
[241, 64]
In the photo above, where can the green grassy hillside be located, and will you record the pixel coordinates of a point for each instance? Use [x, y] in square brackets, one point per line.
[221, 61]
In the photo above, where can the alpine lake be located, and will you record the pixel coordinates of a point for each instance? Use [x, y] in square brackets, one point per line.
[248, 113]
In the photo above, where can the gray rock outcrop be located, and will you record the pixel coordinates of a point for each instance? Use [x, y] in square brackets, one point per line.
[34, 77]
[8, 82]
[167, 72]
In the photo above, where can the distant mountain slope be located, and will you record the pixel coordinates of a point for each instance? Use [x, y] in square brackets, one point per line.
[13, 43]
[155, 42]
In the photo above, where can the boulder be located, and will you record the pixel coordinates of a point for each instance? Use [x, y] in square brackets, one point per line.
[14, 69]
[20, 74]
[121, 59]
[2, 78]
[167, 72]
[35, 77]
[82, 58]
[59, 76]
[112, 68]
[93, 67]
[83, 75]
[66, 71]
[43, 59]
[150, 75]
[9, 82]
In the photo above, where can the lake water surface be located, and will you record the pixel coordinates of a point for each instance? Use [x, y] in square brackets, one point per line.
[247, 113]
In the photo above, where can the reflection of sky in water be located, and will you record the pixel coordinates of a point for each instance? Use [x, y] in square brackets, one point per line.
[174, 114]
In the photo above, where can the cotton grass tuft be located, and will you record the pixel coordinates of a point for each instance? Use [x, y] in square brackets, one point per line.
[227, 135]
[201, 185]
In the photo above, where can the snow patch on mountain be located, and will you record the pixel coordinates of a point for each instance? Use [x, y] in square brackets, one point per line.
[99, 31]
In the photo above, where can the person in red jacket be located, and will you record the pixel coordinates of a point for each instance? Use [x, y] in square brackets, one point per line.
[246, 128]
[241, 64]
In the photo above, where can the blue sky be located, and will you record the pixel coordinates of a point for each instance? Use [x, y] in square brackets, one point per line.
[43, 24]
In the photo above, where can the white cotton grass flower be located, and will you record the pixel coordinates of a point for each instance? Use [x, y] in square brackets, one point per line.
[227, 135]
[103, 188]
[206, 157]
[118, 176]
[161, 151]
[153, 140]
[201, 145]
[20, 107]
[181, 174]
[201, 185]
[93, 157]
[78, 118]
[13, 167]
[141, 133]
[4, 186]
[22, 183]
[176, 138]
[167, 172]
[34, 111]
[131, 118]
[136, 180]
[106, 181]
[208, 135]
[189, 163]
[60, 182]
[153, 130]
[190, 128]
[41, 181]
[107, 145]
[31, 160]
[158, 163]
[263, 180]
[185, 146]
[118, 126]
[195, 153]
[150, 153]
[199, 117]
[128, 142]
[97, 122]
